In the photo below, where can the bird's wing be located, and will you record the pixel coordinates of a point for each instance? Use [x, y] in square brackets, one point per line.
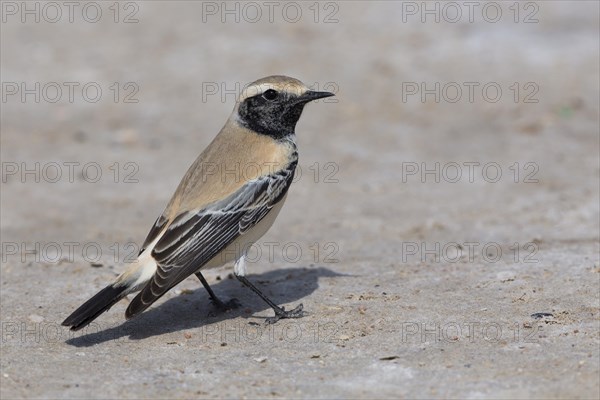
[195, 237]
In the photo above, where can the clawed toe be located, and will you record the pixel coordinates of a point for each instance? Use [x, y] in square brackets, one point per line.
[282, 314]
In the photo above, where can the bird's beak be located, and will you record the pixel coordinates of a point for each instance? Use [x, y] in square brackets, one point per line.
[311, 95]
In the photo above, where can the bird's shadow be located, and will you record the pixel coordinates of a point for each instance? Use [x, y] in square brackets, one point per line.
[195, 310]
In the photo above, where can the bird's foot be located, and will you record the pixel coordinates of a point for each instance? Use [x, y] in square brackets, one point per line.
[280, 313]
[226, 306]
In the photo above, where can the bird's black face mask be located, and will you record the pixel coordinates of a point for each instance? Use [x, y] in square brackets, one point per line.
[275, 113]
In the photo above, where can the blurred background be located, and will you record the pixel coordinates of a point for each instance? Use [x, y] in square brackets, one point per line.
[454, 122]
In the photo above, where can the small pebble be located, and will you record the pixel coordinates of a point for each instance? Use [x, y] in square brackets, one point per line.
[540, 315]
[506, 276]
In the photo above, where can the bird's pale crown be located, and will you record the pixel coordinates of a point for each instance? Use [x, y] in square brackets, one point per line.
[279, 83]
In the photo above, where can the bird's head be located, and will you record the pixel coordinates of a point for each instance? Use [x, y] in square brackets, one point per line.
[273, 105]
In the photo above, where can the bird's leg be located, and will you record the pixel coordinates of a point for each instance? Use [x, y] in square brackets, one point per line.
[280, 312]
[230, 305]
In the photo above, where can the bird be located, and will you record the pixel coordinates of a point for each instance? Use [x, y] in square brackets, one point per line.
[215, 215]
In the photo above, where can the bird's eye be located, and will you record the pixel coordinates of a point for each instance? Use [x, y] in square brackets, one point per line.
[270, 94]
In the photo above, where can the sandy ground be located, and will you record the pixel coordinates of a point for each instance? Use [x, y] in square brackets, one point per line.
[422, 235]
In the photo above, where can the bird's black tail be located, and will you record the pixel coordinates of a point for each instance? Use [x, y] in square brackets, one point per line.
[91, 309]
